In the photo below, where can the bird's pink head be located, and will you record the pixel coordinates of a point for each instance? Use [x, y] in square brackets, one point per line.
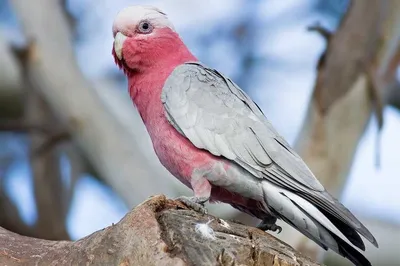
[145, 39]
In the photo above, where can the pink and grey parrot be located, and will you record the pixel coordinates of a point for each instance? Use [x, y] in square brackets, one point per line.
[213, 137]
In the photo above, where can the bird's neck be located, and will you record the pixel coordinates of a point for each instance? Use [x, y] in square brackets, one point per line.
[145, 86]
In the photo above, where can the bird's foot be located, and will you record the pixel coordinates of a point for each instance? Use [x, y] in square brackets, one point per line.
[269, 225]
[195, 203]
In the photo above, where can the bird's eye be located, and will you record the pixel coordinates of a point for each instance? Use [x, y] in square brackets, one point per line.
[145, 27]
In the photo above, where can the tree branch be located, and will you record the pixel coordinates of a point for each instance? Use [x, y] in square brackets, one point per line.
[157, 232]
[22, 126]
[45, 165]
[76, 169]
[324, 32]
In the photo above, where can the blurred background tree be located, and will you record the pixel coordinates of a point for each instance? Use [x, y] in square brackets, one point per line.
[74, 155]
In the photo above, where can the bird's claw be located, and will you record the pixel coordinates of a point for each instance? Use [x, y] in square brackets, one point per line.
[275, 228]
[195, 203]
[270, 227]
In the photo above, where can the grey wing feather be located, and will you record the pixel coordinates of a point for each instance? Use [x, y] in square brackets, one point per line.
[216, 115]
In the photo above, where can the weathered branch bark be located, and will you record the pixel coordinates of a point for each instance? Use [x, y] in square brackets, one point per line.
[105, 142]
[356, 72]
[157, 232]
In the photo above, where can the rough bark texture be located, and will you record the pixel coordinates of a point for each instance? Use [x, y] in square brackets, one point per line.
[157, 232]
[355, 75]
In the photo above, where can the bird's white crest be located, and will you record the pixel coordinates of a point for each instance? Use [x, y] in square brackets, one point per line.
[131, 16]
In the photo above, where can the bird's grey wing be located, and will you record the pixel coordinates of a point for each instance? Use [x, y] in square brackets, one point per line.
[216, 115]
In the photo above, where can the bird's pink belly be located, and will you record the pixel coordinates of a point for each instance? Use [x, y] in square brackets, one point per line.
[181, 158]
[178, 154]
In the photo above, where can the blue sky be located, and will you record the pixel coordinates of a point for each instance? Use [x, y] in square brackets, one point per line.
[282, 90]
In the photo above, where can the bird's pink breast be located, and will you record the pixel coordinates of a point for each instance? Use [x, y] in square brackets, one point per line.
[175, 152]
[181, 158]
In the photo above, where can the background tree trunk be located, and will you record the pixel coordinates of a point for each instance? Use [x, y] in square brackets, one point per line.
[77, 104]
[356, 77]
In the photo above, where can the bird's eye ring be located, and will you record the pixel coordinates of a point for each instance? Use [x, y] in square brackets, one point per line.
[145, 27]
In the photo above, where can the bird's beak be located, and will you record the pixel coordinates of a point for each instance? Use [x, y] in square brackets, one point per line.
[118, 44]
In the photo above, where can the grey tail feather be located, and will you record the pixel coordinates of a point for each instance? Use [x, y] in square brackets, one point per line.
[350, 220]
[361, 229]
[351, 253]
[316, 240]
[346, 229]
[344, 248]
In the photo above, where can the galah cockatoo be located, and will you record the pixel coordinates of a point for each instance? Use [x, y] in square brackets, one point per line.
[210, 135]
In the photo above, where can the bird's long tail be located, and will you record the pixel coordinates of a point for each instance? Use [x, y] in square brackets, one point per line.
[310, 221]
